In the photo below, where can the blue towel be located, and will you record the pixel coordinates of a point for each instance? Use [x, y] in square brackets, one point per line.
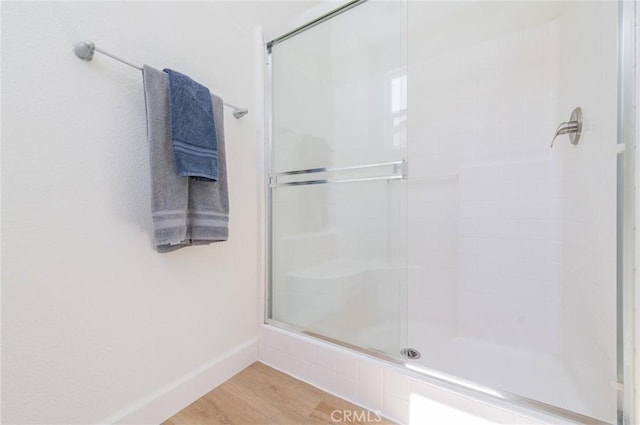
[193, 132]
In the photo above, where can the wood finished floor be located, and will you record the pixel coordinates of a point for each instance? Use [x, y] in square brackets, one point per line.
[260, 395]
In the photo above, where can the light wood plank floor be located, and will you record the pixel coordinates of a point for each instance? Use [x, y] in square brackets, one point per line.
[260, 395]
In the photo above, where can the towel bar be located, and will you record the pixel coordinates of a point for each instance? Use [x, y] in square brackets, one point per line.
[85, 50]
[274, 184]
[399, 173]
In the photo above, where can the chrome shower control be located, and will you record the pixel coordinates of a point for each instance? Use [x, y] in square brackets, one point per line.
[573, 127]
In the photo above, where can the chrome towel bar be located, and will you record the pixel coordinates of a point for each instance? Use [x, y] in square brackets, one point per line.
[85, 50]
[399, 173]
[327, 170]
[325, 181]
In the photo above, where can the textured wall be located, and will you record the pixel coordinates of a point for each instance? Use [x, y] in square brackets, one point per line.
[92, 318]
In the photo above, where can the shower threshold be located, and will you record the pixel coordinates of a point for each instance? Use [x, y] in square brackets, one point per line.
[417, 370]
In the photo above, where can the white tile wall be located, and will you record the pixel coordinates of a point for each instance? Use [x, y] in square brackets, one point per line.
[589, 186]
[533, 227]
[510, 237]
[483, 219]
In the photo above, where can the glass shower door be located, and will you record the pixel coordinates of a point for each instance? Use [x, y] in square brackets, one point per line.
[337, 188]
[515, 240]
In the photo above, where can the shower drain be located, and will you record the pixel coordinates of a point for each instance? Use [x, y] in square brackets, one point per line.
[410, 353]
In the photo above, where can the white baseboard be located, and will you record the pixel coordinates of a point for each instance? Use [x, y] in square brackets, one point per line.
[167, 401]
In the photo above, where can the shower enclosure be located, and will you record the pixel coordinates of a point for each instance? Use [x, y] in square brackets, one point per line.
[418, 212]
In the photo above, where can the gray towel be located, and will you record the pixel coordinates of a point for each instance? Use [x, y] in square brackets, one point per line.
[184, 211]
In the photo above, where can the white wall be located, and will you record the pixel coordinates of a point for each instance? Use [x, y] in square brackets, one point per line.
[534, 226]
[93, 320]
[589, 201]
[482, 102]
[633, 243]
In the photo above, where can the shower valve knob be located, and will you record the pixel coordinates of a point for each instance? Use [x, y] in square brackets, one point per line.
[573, 127]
